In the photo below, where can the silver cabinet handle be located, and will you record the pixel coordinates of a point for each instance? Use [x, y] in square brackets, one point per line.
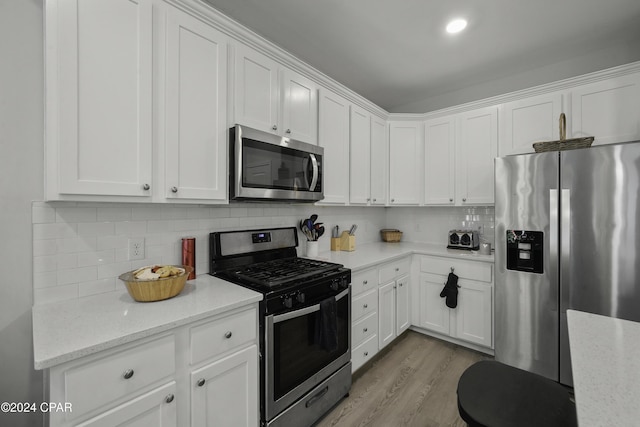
[201, 382]
[146, 187]
[128, 374]
[365, 306]
[365, 330]
[375, 200]
[228, 335]
[400, 284]
[169, 398]
[393, 200]
[464, 199]
[364, 282]
[451, 200]
[397, 269]
[174, 189]
[287, 131]
[366, 353]
[274, 127]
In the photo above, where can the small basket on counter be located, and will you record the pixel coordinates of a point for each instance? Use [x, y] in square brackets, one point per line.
[390, 235]
[149, 290]
[563, 143]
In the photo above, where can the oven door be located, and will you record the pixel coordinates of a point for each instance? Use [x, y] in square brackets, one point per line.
[294, 361]
[266, 166]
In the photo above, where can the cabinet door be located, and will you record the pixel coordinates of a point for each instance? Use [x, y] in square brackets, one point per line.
[439, 161]
[99, 71]
[402, 305]
[608, 110]
[379, 161]
[386, 314]
[333, 136]
[476, 151]
[156, 408]
[527, 121]
[360, 148]
[195, 122]
[473, 314]
[404, 163]
[225, 393]
[300, 107]
[434, 314]
[256, 96]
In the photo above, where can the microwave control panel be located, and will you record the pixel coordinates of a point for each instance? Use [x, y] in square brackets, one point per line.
[525, 251]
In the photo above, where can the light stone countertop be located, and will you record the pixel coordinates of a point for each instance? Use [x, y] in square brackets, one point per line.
[605, 359]
[71, 329]
[373, 254]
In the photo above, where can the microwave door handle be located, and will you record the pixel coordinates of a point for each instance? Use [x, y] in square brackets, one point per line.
[314, 164]
[305, 311]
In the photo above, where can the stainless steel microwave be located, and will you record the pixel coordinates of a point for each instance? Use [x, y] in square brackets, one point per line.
[264, 166]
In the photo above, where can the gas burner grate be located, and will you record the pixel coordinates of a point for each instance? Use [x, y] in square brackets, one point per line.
[281, 271]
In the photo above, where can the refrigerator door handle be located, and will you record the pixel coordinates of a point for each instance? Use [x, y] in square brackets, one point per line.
[565, 247]
[554, 237]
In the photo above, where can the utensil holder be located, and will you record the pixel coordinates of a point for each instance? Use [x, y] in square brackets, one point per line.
[312, 248]
[347, 242]
[335, 243]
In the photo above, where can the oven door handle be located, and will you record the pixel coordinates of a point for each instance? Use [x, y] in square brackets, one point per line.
[306, 310]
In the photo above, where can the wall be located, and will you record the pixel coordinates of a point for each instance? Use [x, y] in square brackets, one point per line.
[431, 224]
[80, 248]
[21, 180]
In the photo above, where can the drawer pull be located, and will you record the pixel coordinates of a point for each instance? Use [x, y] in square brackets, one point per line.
[201, 382]
[364, 282]
[365, 330]
[365, 306]
[397, 269]
[169, 398]
[366, 353]
[228, 335]
[128, 374]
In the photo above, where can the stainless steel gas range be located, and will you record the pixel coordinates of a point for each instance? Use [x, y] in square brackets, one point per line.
[305, 321]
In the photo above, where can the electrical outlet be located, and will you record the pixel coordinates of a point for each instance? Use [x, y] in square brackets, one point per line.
[136, 248]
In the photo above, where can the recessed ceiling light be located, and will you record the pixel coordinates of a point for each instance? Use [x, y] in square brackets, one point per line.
[456, 26]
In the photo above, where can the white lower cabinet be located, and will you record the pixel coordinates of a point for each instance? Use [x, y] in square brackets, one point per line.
[472, 319]
[364, 315]
[156, 381]
[224, 392]
[393, 296]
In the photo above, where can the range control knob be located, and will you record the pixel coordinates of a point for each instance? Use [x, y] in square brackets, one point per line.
[335, 284]
[300, 297]
[287, 301]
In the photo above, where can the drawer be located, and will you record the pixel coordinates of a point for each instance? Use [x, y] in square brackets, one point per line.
[102, 381]
[364, 352]
[364, 304]
[394, 269]
[364, 329]
[218, 336]
[480, 271]
[363, 281]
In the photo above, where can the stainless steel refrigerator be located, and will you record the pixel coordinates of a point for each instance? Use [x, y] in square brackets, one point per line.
[567, 230]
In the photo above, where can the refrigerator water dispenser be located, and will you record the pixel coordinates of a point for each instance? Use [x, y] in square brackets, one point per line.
[525, 250]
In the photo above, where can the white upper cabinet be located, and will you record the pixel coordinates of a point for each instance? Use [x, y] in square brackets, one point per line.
[477, 148]
[608, 110]
[98, 98]
[333, 134]
[195, 110]
[274, 99]
[526, 121]
[379, 161]
[360, 148]
[405, 154]
[439, 161]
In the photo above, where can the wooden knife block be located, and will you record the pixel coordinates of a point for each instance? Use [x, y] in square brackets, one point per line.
[347, 242]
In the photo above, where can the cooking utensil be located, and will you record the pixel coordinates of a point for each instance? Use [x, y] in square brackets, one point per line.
[320, 231]
[352, 229]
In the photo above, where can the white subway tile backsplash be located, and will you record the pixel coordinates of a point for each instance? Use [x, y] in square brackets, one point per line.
[97, 287]
[114, 214]
[43, 214]
[44, 247]
[131, 227]
[76, 214]
[146, 213]
[56, 230]
[77, 275]
[42, 264]
[96, 228]
[86, 259]
[55, 294]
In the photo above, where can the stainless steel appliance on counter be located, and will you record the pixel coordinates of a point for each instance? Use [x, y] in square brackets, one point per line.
[567, 226]
[264, 166]
[304, 319]
[464, 239]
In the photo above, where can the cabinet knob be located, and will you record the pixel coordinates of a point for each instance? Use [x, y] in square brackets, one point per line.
[174, 189]
[366, 353]
[201, 382]
[375, 200]
[365, 306]
[128, 374]
[169, 398]
[368, 199]
[287, 131]
[365, 330]
[451, 200]
[228, 334]
[146, 187]
[400, 284]
[464, 199]
[364, 282]
[393, 200]
[274, 127]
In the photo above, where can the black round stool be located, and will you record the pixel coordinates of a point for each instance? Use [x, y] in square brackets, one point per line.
[492, 394]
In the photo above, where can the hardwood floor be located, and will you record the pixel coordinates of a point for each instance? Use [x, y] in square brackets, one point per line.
[412, 383]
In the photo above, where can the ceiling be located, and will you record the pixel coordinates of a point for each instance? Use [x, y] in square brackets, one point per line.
[396, 53]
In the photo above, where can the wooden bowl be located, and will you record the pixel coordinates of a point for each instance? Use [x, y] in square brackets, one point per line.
[156, 289]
